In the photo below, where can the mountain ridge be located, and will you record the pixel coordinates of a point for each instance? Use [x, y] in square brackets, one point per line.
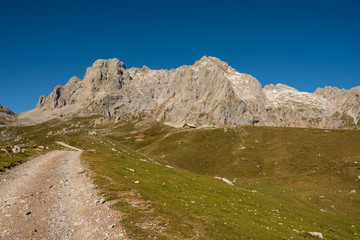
[209, 92]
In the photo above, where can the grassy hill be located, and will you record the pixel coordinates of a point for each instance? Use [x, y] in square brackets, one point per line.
[287, 181]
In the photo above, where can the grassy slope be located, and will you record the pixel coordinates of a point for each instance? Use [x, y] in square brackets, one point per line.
[302, 178]
[308, 169]
[15, 159]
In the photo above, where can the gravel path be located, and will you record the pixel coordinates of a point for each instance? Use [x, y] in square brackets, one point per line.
[50, 197]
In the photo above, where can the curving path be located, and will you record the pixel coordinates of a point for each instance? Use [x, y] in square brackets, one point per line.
[50, 197]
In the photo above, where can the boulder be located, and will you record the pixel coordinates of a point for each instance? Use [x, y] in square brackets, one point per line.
[16, 149]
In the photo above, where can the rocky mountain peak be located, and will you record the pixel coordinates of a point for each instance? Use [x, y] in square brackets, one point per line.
[108, 63]
[206, 61]
[210, 92]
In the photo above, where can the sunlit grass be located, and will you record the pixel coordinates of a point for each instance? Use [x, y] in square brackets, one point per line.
[287, 181]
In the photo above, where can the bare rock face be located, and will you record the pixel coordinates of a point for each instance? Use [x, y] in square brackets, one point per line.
[6, 115]
[346, 102]
[209, 92]
[291, 108]
[63, 95]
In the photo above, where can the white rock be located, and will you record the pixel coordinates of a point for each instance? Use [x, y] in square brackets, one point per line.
[353, 192]
[316, 234]
[225, 180]
[16, 149]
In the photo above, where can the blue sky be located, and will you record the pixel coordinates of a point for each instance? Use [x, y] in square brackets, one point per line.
[304, 44]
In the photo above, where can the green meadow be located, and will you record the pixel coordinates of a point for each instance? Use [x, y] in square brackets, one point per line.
[286, 182]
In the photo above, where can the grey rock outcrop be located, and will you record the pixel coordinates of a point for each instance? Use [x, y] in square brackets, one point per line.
[346, 102]
[289, 107]
[209, 92]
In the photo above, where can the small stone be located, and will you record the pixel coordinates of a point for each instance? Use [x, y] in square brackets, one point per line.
[136, 181]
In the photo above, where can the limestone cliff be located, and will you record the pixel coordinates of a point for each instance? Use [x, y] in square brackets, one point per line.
[209, 92]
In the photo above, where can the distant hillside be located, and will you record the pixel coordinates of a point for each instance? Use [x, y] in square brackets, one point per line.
[210, 92]
[6, 115]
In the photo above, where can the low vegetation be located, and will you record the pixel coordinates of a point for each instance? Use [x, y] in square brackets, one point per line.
[286, 181]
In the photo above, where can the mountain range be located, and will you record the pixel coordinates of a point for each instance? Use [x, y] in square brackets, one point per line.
[210, 92]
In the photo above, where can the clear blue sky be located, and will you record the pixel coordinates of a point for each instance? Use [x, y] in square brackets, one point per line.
[304, 44]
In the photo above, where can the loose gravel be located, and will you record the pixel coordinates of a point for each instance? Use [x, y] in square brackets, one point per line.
[52, 197]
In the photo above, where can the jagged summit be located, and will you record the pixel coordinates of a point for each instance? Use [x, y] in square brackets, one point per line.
[109, 63]
[209, 92]
[208, 59]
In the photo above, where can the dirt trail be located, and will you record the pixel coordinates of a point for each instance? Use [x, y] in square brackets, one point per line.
[50, 197]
